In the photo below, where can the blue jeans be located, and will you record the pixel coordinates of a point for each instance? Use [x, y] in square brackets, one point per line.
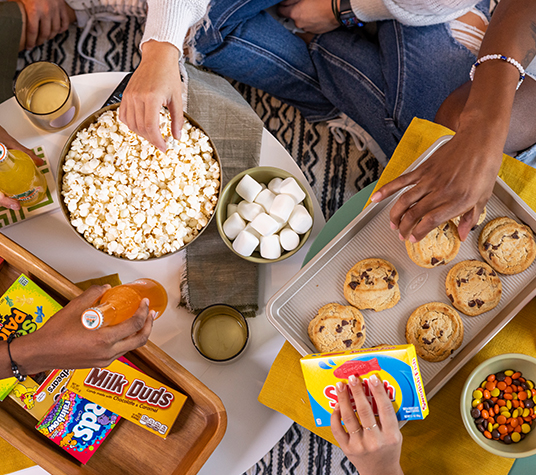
[381, 81]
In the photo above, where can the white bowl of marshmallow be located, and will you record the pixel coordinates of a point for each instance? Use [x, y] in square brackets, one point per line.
[264, 214]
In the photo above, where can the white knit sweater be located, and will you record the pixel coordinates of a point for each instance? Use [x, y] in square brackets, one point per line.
[411, 12]
[169, 20]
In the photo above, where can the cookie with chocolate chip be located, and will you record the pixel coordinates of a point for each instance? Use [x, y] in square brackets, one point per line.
[438, 247]
[337, 327]
[436, 330]
[372, 283]
[481, 219]
[473, 287]
[507, 246]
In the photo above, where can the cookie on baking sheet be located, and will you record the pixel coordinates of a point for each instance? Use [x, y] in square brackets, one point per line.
[337, 327]
[481, 219]
[473, 287]
[436, 330]
[507, 246]
[372, 283]
[439, 246]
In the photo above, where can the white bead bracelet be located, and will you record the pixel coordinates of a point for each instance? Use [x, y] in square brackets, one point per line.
[512, 61]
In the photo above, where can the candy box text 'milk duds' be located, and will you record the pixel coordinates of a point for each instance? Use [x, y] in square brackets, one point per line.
[396, 366]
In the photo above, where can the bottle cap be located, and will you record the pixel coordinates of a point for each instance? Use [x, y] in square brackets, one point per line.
[92, 318]
[3, 152]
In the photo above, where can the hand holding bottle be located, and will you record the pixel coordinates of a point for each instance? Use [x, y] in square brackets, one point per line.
[63, 342]
[11, 143]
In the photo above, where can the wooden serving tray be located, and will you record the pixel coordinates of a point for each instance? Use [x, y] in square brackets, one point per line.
[129, 449]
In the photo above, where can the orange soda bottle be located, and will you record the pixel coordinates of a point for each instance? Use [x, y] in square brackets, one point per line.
[120, 303]
[19, 177]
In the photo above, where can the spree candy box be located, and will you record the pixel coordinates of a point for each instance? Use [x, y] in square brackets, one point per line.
[396, 366]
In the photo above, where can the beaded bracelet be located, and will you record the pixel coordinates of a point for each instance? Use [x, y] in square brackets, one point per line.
[20, 377]
[512, 61]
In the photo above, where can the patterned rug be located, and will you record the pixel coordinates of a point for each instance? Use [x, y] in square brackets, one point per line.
[335, 169]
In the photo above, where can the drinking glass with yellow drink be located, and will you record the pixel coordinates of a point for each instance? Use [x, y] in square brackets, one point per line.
[45, 92]
[19, 177]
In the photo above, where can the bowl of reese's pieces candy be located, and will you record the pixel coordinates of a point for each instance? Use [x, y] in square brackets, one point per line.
[498, 405]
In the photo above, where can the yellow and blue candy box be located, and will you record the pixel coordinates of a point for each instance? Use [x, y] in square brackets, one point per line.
[396, 366]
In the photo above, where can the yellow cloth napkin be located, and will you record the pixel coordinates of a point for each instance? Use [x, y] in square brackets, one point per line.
[11, 460]
[440, 443]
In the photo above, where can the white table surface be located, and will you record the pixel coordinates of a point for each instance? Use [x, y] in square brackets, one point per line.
[252, 428]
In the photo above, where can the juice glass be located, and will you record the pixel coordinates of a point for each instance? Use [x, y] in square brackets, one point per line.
[44, 90]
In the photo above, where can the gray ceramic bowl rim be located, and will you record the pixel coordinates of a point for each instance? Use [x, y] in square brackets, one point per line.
[219, 221]
[65, 150]
[465, 412]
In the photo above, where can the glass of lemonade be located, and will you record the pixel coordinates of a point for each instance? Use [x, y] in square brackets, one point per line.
[44, 90]
[220, 333]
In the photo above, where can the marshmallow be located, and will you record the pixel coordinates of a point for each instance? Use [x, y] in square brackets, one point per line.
[248, 188]
[231, 208]
[233, 225]
[245, 243]
[275, 185]
[265, 198]
[270, 247]
[289, 239]
[249, 211]
[300, 220]
[282, 207]
[253, 231]
[265, 224]
[290, 186]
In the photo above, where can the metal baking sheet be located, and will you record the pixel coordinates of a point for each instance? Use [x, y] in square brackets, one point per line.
[321, 282]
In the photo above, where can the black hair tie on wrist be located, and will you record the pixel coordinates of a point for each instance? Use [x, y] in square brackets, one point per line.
[20, 377]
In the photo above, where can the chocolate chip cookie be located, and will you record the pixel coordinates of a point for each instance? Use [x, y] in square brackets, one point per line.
[438, 247]
[372, 283]
[473, 287]
[337, 327]
[436, 330]
[507, 246]
[481, 219]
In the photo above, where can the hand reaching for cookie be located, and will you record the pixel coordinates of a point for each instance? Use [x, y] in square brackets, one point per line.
[457, 180]
[373, 446]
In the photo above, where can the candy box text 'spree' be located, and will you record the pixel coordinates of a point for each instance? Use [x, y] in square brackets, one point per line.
[396, 366]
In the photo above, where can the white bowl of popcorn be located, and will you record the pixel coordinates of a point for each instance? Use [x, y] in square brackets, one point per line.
[264, 215]
[129, 200]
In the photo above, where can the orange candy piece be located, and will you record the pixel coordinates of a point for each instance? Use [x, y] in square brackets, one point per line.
[487, 434]
[516, 375]
[501, 385]
[501, 419]
[490, 385]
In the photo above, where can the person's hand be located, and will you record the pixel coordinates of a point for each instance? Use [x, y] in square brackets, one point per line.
[155, 83]
[64, 343]
[11, 143]
[372, 445]
[457, 180]
[314, 16]
[44, 20]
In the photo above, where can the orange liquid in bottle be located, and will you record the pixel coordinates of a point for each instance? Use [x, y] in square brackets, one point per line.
[120, 303]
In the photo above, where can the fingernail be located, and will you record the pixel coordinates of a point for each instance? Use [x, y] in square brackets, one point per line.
[340, 386]
[376, 196]
[374, 380]
[401, 237]
[352, 380]
[152, 313]
[14, 207]
[412, 239]
[393, 226]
